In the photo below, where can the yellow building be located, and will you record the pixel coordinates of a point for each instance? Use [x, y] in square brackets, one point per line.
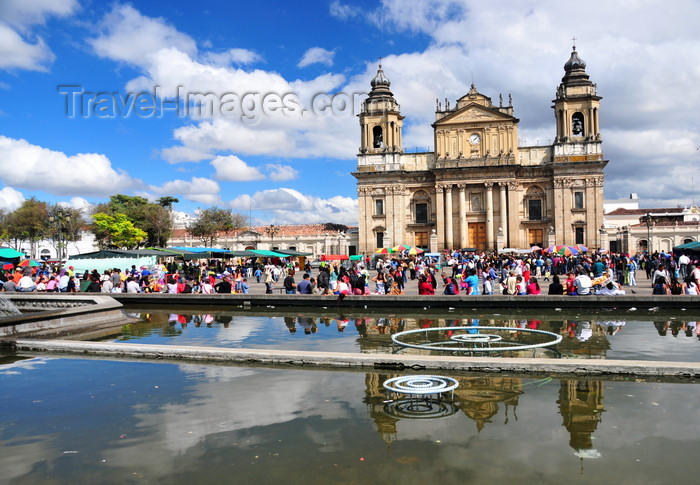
[478, 188]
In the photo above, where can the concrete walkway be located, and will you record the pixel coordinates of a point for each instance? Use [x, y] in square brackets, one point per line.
[390, 362]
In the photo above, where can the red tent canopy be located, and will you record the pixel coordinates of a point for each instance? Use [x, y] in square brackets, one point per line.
[334, 257]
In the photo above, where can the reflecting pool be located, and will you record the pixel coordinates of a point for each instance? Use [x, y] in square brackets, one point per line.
[645, 334]
[100, 421]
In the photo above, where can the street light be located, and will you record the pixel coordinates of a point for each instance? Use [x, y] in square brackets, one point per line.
[647, 220]
[272, 231]
[62, 219]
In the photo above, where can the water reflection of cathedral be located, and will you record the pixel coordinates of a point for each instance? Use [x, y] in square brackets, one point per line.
[581, 406]
[479, 398]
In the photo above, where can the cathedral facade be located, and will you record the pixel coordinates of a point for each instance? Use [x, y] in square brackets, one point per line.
[478, 188]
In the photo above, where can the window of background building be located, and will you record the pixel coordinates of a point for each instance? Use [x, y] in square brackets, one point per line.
[379, 207]
[421, 213]
[380, 239]
[579, 235]
[534, 209]
[578, 200]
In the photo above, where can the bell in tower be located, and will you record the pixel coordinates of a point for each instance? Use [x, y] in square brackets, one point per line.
[380, 119]
[576, 105]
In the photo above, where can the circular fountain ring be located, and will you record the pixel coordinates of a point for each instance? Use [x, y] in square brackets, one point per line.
[476, 338]
[493, 344]
[420, 384]
[420, 408]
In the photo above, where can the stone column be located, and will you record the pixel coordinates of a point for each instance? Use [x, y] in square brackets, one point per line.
[462, 216]
[604, 243]
[515, 206]
[489, 215]
[504, 211]
[449, 232]
[559, 210]
[440, 214]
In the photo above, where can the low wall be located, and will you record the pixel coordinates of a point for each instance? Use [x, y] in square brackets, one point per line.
[46, 314]
[411, 301]
[393, 362]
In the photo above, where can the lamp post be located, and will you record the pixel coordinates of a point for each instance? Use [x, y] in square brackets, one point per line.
[272, 231]
[647, 220]
[61, 218]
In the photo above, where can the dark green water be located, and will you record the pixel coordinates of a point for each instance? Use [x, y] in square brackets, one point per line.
[96, 421]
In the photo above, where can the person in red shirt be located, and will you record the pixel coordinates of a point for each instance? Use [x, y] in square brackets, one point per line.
[569, 284]
[424, 286]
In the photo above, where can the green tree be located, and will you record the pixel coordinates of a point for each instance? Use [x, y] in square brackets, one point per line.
[167, 201]
[213, 221]
[27, 222]
[118, 231]
[158, 225]
[153, 218]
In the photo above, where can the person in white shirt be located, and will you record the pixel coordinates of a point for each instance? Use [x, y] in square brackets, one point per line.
[26, 283]
[583, 284]
[132, 286]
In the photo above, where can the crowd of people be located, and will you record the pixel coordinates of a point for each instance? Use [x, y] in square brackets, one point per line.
[456, 273]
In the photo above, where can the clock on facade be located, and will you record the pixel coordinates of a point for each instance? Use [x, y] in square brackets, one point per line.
[474, 139]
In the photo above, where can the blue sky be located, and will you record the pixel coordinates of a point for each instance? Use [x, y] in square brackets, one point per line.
[263, 62]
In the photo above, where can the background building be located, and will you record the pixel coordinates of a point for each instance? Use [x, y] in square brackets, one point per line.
[478, 188]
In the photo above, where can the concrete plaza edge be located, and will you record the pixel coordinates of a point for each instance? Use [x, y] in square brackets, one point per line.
[392, 362]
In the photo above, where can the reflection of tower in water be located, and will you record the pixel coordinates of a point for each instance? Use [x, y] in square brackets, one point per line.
[375, 395]
[581, 406]
[478, 397]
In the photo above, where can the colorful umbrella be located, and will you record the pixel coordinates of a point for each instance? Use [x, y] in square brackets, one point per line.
[552, 249]
[8, 266]
[400, 248]
[415, 251]
[384, 251]
[581, 248]
[567, 251]
[29, 262]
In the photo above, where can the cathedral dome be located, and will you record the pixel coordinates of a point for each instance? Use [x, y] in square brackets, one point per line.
[380, 79]
[574, 62]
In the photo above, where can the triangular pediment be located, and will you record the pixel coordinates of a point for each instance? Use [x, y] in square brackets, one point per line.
[474, 113]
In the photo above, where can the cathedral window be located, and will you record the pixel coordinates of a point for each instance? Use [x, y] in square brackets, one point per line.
[421, 213]
[380, 239]
[534, 209]
[577, 124]
[379, 207]
[534, 200]
[579, 235]
[377, 137]
[578, 200]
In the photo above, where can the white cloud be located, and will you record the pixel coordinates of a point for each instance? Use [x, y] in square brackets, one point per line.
[27, 12]
[128, 36]
[289, 206]
[19, 48]
[281, 173]
[198, 189]
[344, 12]
[16, 53]
[32, 167]
[10, 199]
[231, 56]
[77, 203]
[317, 55]
[233, 169]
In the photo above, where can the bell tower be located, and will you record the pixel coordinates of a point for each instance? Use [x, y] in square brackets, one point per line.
[576, 111]
[380, 119]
